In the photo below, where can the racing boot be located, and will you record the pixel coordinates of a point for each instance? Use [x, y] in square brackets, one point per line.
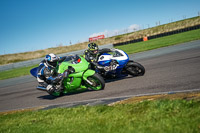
[50, 89]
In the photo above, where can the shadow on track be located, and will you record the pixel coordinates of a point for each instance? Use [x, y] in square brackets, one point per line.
[119, 78]
[47, 97]
[50, 97]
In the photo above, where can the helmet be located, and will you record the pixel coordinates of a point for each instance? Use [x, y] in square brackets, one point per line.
[93, 48]
[51, 60]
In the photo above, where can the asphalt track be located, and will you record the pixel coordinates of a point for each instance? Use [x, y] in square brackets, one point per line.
[170, 69]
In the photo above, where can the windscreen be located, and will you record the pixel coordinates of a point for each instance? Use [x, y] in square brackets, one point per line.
[73, 59]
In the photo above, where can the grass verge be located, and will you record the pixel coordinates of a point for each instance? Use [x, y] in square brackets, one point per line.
[17, 72]
[161, 42]
[163, 115]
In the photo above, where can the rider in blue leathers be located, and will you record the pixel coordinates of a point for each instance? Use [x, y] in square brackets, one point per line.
[47, 75]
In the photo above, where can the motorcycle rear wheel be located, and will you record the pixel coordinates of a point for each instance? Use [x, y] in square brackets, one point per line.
[97, 81]
[135, 69]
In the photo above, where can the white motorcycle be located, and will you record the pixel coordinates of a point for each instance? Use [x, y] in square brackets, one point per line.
[117, 63]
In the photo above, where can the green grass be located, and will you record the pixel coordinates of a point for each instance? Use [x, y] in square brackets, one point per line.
[161, 42]
[17, 72]
[130, 48]
[168, 116]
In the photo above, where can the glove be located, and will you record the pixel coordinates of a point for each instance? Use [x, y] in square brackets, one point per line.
[61, 59]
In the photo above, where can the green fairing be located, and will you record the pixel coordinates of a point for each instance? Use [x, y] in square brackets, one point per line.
[88, 73]
[74, 80]
[80, 67]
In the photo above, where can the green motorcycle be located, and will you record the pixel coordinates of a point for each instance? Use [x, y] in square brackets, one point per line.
[81, 76]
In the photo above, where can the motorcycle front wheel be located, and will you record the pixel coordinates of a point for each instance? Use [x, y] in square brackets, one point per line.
[135, 69]
[95, 82]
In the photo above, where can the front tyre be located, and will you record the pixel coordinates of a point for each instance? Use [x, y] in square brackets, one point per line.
[135, 69]
[95, 82]
[55, 93]
[52, 91]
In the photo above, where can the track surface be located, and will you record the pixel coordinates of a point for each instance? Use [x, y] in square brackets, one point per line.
[174, 68]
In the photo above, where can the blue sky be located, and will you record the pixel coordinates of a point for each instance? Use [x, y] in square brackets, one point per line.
[28, 25]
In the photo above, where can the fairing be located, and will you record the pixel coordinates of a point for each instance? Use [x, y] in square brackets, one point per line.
[34, 72]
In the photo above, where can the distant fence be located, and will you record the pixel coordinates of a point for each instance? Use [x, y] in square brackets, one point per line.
[37, 61]
[160, 35]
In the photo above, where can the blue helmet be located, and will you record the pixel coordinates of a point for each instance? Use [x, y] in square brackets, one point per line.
[51, 60]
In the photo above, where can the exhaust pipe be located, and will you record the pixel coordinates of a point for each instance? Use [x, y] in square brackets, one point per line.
[41, 88]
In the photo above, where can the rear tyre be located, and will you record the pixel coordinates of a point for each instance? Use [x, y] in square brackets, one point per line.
[96, 82]
[135, 69]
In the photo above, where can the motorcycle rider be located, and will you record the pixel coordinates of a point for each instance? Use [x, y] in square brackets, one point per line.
[47, 75]
[92, 54]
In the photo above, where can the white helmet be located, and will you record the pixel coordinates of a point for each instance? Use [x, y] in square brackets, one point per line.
[51, 60]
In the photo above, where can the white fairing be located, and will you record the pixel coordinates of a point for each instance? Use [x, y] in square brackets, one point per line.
[105, 57]
[122, 56]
